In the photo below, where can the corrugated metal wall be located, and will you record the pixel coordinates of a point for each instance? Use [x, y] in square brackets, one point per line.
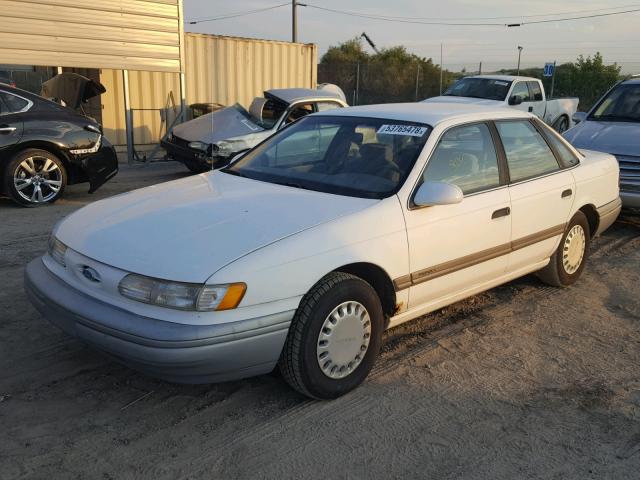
[227, 70]
[119, 34]
[218, 69]
[149, 93]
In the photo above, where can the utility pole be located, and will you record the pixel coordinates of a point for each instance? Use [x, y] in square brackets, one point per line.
[480, 69]
[294, 21]
[440, 69]
[519, 54]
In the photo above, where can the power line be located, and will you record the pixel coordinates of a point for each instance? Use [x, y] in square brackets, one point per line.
[195, 21]
[468, 24]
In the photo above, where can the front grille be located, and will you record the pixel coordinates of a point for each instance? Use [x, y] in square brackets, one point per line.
[180, 142]
[629, 173]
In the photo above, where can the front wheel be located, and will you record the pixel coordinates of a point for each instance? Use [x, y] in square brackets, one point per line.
[35, 177]
[334, 338]
[567, 263]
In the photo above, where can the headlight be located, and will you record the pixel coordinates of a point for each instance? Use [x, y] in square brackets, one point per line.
[198, 146]
[57, 249]
[182, 296]
[226, 148]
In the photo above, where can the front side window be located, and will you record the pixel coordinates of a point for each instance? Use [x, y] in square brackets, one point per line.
[11, 104]
[298, 111]
[466, 157]
[528, 154]
[360, 157]
[621, 105]
[536, 91]
[521, 91]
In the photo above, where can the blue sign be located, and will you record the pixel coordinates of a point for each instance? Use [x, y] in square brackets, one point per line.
[548, 69]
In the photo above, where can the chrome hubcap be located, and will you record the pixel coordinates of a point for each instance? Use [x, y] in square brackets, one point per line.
[344, 339]
[37, 179]
[573, 249]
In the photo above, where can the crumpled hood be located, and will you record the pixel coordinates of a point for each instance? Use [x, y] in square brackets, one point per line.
[186, 230]
[467, 100]
[617, 138]
[219, 125]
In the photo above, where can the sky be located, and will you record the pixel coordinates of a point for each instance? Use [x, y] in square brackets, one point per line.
[616, 37]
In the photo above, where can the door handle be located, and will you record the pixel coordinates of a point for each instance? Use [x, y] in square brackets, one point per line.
[7, 129]
[503, 212]
[566, 193]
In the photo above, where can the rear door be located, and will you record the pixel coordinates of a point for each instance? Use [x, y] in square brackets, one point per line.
[537, 99]
[11, 125]
[541, 192]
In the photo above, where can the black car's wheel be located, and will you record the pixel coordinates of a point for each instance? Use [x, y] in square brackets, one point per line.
[35, 177]
[195, 168]
[334, 337]
[567, 263]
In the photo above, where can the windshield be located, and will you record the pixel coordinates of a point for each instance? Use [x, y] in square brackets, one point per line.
[488, 88]
[360, 157]
[622, 104]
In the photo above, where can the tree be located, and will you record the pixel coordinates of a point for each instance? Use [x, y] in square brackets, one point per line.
[391, 75]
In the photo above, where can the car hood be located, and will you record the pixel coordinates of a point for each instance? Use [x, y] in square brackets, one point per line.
[188, 229]
[617, 138]
[466, 100]
[222, 124]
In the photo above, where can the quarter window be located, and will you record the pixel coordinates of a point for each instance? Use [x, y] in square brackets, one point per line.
[11, 104]
[528, 155]
[466, 157]
[522, 91]
[566, 156]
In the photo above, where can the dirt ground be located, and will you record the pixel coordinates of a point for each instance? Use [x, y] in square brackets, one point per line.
[524, 381]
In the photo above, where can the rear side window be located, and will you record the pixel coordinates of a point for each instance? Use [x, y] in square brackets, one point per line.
[528, 154]
[465, 157]
[11, 104]
[324, 106]
[536, 91]
[567, 157]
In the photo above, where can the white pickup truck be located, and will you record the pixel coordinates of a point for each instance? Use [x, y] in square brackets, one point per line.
[522, 93]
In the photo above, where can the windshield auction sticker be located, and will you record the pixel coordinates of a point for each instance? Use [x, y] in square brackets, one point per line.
[411, 130]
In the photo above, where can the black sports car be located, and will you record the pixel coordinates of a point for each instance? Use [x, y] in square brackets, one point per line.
[45, 146]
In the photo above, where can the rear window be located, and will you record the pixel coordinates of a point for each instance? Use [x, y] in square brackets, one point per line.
[489, 88]
[361, 157]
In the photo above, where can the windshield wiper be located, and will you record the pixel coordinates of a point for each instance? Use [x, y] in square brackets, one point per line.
[234, 172]
[291, 184]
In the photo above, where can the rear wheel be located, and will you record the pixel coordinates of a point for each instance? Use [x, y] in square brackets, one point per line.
[334, 338]
[567, 263]
[562, 125]
[35, 177]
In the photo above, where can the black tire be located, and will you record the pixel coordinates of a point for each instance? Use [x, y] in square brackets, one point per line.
[28, 195]
[562, 125]
[299, 363]
[196, 168]
[556, 273]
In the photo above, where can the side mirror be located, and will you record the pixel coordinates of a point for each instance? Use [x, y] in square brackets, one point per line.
[437, 193]
[579, 117]
[515, 100]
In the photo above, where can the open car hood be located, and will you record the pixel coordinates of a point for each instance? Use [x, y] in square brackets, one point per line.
[72, 89]
[222, 124]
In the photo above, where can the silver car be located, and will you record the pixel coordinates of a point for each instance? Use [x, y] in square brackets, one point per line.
[613, 126]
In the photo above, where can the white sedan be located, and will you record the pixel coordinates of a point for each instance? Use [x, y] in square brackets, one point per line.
[303, 251]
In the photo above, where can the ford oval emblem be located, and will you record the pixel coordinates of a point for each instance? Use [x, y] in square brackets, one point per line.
[90, 274]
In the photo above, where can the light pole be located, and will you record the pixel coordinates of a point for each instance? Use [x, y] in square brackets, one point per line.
[519, 53]
[294, 21]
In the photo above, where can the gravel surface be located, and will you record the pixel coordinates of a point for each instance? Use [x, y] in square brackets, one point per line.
[523, 381]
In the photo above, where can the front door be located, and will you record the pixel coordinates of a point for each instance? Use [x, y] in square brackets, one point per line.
[453, 248]
[521, 90]
[541, 193]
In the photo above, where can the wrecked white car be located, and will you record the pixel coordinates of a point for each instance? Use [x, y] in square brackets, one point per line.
[212, 140]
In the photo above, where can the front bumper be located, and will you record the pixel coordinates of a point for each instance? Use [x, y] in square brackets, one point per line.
[195, 159]
[630, 199]
[170, 351]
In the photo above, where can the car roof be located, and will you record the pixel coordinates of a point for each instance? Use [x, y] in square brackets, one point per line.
[291, 95]
[429, 113]
[634, 80]
[504, 78]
